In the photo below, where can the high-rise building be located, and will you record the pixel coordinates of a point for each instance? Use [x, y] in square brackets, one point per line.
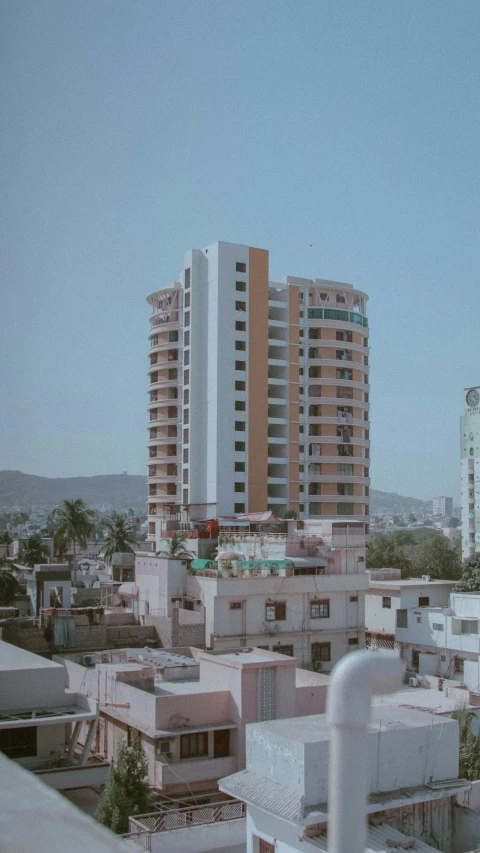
[259, 394]
[470, 472]
[442, 506]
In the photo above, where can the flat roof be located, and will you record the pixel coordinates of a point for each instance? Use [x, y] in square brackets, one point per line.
[147, 656]
[14, 658]
[246, 657]
[398, 584]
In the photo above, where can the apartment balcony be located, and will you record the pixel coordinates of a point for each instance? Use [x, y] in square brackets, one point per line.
[278, 342]
[336, 478]
[335, 421]
[336, 439]
[63, 775]
[277, 439]
[218, 813]
[280, 421]
[162, 440]
[164, 384]
[278, 481]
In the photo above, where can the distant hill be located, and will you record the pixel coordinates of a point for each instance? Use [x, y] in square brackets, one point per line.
[383, 503]
[108, 491]
[121, 491]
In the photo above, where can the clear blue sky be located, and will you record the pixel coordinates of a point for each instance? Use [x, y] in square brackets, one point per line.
[133, 131]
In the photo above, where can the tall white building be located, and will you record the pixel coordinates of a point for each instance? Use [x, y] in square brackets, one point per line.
[442, 506]
[470, 472]
[259, 393]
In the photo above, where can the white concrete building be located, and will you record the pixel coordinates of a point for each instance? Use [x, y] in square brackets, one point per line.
[443, 641]
[259, 393]
[442, 507]
[412, 768]
[41, 723]
[385, 597]
[470, 472]
[191, 708]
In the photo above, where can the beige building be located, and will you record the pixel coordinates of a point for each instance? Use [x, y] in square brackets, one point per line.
[259, 393]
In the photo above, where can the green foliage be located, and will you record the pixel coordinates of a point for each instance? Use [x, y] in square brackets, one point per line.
[434, 556]
[453, 521]
[291, 514]
[74, 523]
[33, 551]
[469, 745]
[120, 535]
[470, 580]
[9, 585]
[126, 792]
[176, 549]
[383, 552]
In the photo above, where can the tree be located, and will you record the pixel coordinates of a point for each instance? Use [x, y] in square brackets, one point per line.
[469, 745]
[33, 551]
[383, 553]
[9, 585]
[126, 791]
[436, 557]
[470, 580]
[120, 535]
[75, 523]
[176, 550]
[453, 521]
[412, 518]
[402, 538]
[6, 539]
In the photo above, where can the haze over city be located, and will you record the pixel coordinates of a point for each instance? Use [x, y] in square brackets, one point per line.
[342, 137]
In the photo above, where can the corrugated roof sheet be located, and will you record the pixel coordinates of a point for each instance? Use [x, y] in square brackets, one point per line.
[377, 838]
[267, 795]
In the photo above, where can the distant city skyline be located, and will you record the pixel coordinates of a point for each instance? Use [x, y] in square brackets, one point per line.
[355, 160]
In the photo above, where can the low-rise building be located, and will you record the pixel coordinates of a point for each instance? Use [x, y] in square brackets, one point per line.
[443, 641]
[191, 707]
[412, 782]
[386, 595]
[41, 723]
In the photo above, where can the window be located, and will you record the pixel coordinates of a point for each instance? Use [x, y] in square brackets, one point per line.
[415, 659]
[186, 339]
[239, 466]
[186, 377]
[19, 743]
[239, 487]
[386, 602]
[185, 476]
[187, 300]
[342, 335]
[185, 436]
[240, 365]
[187, 278]
[402, 618]
[239, 405]
[424, 601]
[240, 345]
[275, 611]
[240, 446]
[240, 326]
[321, 653]
[459, 665]
[186, 318]
[320, 609]
[344, 470]
[240, 266]
[152, 470]
[240, 385]
[239, 426]
[240, 306]
[353, 641]
[437, 626]
[344, 374]
[345, 509]
[236, 605]
[268, 693]
[344, 488]
[194, 745]
[172, 337]
[186, 357]
[241, 286]
[240, 508]
[284, 650]
[345, 393]
[186, 397]
[353, 599]
[341, 299]
[185, 454]
[469, 626]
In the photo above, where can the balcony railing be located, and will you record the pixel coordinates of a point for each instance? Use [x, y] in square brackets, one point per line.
[182, 818]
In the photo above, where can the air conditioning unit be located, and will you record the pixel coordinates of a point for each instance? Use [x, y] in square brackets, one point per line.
[425, 578]
[164, 747]
[88, 660]
[413, 682]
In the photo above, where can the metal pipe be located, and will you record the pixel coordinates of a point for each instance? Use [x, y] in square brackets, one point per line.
[355, 679]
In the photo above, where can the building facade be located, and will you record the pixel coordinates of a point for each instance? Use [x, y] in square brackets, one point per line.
[259, 393]
[442, 507]
[470, 472]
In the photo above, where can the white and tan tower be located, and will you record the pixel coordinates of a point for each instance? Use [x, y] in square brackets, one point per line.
[259, 394]
[470, 472]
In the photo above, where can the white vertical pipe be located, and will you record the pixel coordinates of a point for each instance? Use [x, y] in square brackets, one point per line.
[355, 679]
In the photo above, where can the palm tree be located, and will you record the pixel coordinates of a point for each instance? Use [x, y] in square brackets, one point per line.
[6, 539]
[33, 551]
[9, 585]
[75, 524]
[176, 550]
[119, 535]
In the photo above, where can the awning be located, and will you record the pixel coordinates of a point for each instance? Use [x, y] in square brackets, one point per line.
[269, 565]
[258, 517]
[301, 562]
[201, 564]
[128, 589]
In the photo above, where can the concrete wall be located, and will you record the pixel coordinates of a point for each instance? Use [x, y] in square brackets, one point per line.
[158, 581]
[29, 688]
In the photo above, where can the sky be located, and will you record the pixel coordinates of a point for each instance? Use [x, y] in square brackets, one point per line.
[343, 137]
